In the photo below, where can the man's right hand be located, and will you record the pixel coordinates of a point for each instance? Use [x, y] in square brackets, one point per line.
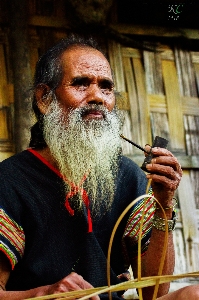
[72, 282]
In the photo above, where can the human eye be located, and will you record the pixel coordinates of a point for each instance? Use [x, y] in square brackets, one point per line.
[106, 85]
[80, 82]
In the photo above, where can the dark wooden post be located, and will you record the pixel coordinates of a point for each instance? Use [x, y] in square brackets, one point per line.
[19, 49]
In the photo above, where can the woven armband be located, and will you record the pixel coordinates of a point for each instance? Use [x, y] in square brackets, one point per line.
[160, 223]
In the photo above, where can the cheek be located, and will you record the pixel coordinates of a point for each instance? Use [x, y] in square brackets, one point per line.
[69, 98]
[110, 103]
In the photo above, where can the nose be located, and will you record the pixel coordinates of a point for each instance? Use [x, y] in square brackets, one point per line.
[95, 95]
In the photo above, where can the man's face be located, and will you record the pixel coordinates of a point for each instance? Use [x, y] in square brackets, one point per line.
[82, 126]
[87, 79]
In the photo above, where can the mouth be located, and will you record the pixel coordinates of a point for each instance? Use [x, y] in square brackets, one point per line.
[93, 114]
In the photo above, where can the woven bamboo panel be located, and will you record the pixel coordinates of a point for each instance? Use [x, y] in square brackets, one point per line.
[3, 76]
[163, 87]
[4, 134]
[6, 108]
[133, 102]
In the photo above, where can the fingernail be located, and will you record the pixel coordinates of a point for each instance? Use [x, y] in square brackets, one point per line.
[148, 166]
[154, 149]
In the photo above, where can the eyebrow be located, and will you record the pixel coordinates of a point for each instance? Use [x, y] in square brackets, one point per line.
[108, 81]
[77, 78]
[103, 79]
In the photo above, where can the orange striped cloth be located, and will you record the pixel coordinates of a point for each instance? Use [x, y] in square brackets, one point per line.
[131, 233]
[13, 233]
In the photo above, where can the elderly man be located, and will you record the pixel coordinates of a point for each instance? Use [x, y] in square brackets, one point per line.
[61, 198]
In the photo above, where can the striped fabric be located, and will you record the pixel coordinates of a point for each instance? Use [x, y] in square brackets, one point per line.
[12, 240]
[131, 233]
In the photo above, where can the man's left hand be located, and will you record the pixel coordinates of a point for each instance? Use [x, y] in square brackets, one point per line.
[165, 173]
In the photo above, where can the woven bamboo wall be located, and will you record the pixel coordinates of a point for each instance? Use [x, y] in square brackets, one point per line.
[38, 43]
[160, 97]
[6, 101]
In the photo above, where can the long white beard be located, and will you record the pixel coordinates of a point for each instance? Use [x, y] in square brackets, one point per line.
[86, 147]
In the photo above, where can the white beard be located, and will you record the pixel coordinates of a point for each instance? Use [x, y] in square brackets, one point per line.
[86, 147]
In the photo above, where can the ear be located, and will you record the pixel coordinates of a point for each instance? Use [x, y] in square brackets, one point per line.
[43, 97]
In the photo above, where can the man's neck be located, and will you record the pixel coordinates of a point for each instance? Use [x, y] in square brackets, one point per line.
[45, 153]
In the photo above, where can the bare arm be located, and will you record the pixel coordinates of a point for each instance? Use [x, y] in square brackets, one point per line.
[71, 282]
[165, 173]
[151, 261]
[190, 292]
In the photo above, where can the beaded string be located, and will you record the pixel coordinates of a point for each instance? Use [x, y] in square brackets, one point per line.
[169, 207]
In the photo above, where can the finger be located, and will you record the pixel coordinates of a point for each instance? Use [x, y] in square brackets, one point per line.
[82, 284]
[75, 280]
[168, 161]
[72, 282]
[161, 151]
[170, 184]
[86, 285]
[147, 149]
[162, 170]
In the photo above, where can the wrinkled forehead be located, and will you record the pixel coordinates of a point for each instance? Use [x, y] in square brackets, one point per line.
[86, 60]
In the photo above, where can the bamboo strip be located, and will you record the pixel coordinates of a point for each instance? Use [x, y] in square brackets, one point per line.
[134, 283]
